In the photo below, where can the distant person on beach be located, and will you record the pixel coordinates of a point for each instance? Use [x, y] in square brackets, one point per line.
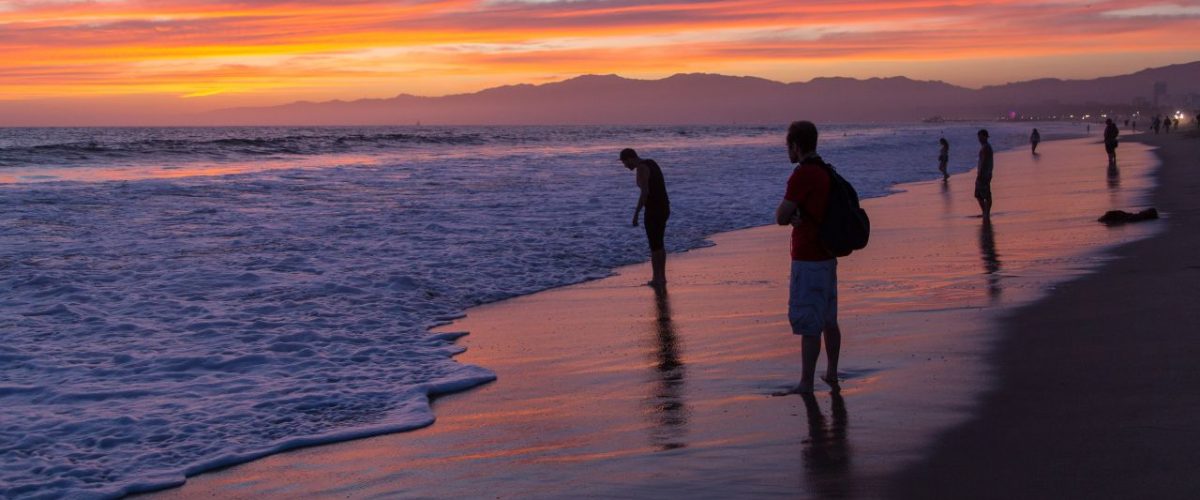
[983, 175]
[812, 290]
[1166, 125]
[1034, 139]
[944, 158]
[1154, 124]
[1110, 140]
[658, 209]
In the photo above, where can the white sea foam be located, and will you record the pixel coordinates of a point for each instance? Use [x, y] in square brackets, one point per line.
[156, 328]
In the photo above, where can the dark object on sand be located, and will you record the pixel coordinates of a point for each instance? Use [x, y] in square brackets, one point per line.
[1120, 216]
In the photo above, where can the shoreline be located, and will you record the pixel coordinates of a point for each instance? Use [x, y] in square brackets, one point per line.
[1094, 397]
[692, 426]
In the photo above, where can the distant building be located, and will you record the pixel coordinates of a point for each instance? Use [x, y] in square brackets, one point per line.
[1160, 91]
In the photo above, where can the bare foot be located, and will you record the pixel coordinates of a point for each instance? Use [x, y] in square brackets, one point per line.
[799, 389]
[832, 380]
[656, 284]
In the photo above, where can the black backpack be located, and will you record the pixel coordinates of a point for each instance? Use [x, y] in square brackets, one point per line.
[846, 227]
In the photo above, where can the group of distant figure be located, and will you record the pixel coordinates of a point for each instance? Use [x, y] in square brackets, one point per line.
[1166, 123]
[1162, 123]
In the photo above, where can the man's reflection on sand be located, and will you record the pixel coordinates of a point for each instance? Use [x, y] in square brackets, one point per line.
[826, 451]
[991, 260]
[1114, 175]
[667, 409]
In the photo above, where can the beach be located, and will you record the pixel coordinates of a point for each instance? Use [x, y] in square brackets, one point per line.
[1095, 395]
[607, 389]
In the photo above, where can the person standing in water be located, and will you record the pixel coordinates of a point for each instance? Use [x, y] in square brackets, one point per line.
[983, 175]
[944, 158]
[654, 199]
[1034, 139]
[1110, 140]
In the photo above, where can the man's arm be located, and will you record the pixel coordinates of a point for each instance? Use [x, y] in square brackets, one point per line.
[643, 182]
[786, 213]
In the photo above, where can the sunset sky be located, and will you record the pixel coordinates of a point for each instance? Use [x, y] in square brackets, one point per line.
[218, 53]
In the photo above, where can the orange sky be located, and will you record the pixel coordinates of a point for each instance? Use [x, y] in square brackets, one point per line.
[220, 53]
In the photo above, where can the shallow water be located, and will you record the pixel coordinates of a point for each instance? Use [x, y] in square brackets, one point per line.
[181, 299]
[609, 389]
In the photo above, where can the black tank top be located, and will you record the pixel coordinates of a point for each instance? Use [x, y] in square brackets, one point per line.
[656, 192]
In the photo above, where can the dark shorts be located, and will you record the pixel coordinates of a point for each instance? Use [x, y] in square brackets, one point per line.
[656, 228]
[983, 190]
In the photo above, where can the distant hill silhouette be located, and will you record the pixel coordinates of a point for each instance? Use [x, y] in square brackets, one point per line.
[719, 99]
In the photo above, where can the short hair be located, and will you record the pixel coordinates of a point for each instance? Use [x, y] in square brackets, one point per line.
[944, 141]
[982, 132]
[803, 134]
[628, 154]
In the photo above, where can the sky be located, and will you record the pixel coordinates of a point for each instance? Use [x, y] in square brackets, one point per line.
[202, 54]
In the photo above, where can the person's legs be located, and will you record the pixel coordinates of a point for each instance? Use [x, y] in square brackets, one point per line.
[658, 263]
[812, 309]
[833, 350]
[656, 228]
[810, 351]
[833, 333]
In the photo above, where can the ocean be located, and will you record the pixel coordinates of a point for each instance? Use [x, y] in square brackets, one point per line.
[180, 299]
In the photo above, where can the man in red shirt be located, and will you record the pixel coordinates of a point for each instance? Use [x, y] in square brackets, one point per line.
[812, 298]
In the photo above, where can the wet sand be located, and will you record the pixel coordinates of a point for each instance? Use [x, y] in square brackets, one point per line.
[609, 389]
[1097, 395]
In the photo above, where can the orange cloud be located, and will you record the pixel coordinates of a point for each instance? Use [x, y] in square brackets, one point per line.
[284, 49]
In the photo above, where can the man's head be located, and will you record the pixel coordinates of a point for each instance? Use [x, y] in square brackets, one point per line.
[630, 158]
[983, 135]
[801, 140]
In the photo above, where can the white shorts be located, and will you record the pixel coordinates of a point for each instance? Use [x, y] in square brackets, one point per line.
[812, 298]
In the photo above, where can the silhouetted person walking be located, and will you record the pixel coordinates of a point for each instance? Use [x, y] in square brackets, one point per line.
[1034, 139]
[812, 290]
[983, 175]
[654, 199]
[944, 158]
[1110, 139]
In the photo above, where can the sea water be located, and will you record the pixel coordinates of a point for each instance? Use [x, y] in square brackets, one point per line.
[178, 299]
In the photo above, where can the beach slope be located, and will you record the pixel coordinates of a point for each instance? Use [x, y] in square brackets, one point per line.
[1097, 395]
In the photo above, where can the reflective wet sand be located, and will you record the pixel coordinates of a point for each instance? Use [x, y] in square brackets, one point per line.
[610, 389]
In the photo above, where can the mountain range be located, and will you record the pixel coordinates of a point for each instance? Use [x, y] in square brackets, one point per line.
[718, 99]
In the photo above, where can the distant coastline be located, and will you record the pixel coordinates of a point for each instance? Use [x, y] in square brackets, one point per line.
[684, 99]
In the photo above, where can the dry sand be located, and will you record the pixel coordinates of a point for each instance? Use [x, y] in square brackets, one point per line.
[606, 389]
[1098, 384]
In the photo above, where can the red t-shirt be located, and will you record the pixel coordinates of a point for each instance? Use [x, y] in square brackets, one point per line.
[808, 188]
